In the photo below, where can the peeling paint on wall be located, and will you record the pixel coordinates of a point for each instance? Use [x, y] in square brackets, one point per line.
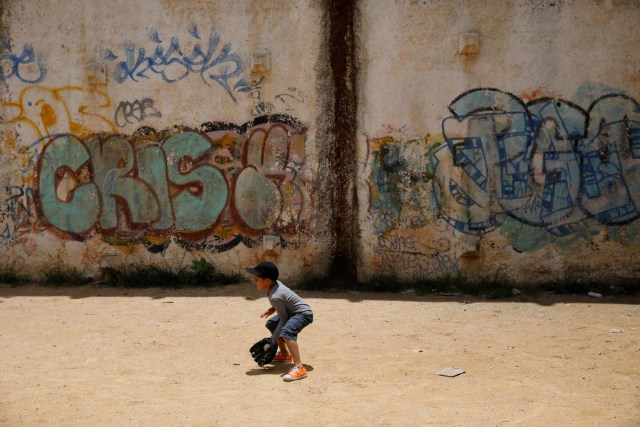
[409, 233]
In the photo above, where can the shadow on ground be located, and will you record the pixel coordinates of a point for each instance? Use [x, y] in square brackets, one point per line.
[276, 369]
[247, 291]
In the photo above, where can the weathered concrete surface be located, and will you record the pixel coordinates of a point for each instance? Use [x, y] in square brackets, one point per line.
[535, 178]
[411, 138]
[206, 114]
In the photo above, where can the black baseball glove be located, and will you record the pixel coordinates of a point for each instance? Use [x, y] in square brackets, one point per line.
[264, 351]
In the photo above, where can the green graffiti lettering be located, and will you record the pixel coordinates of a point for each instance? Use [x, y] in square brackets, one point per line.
[114, 162]
[152, 169]
[79, 210]
[204, 190]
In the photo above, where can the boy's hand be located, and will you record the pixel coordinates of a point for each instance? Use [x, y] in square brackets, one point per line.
[268, 312]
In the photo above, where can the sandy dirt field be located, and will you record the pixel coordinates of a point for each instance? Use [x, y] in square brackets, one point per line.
[98, 356]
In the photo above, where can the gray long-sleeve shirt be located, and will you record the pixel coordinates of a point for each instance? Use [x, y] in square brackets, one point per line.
[287, 303]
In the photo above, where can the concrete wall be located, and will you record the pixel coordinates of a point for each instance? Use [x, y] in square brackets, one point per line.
[517, 155]
[136, 132]
[414, 138]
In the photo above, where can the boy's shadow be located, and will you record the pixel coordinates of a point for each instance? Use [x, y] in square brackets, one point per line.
[276, 369]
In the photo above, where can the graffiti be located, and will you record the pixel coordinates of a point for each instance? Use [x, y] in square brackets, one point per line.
[213, 61]
[385, 220]
[17, 215]
[401, 210]
[260, 107]
[402, 253]
[400, 184]
[415, 262]
[396, 243]
[281, 102]
[212, 188]
[26, 66]
[69, 109]
[547, 163]
[135, 112]
[539, 172]
[285, 99]
[48, 112]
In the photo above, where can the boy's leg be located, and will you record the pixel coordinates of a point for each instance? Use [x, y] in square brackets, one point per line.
[294, 351]
[289, 334]
[283, 347]
[298, 371]
[271, 325]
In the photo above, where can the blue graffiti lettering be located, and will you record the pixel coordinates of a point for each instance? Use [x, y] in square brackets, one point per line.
[215, 62]
[548, 163]
[21, 66]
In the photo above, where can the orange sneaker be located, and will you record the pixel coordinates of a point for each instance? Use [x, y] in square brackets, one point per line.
[296, 374]
[282, 358]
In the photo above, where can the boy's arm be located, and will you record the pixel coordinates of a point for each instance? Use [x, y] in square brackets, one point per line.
[269, 312]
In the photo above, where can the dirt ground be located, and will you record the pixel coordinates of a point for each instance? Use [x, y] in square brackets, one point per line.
[99, 356]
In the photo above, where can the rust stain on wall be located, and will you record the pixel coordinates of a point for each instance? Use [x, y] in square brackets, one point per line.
[342, 57]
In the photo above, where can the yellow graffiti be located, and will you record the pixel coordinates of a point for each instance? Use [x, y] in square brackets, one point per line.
[68, 109]
[48, 112]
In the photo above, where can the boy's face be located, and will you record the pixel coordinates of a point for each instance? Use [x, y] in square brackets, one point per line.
[262, 283]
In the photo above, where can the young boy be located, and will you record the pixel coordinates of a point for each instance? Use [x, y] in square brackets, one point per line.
[293, 314]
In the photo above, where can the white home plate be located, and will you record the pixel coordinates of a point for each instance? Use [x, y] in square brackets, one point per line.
[451, 372]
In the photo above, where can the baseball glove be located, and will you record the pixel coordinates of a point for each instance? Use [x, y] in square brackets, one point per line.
[263, 351]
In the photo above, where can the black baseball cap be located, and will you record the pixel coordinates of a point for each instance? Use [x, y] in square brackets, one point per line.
[266, 269]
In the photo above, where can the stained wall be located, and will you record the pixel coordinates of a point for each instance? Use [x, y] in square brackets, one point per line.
[498, 138]
[160, 132]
